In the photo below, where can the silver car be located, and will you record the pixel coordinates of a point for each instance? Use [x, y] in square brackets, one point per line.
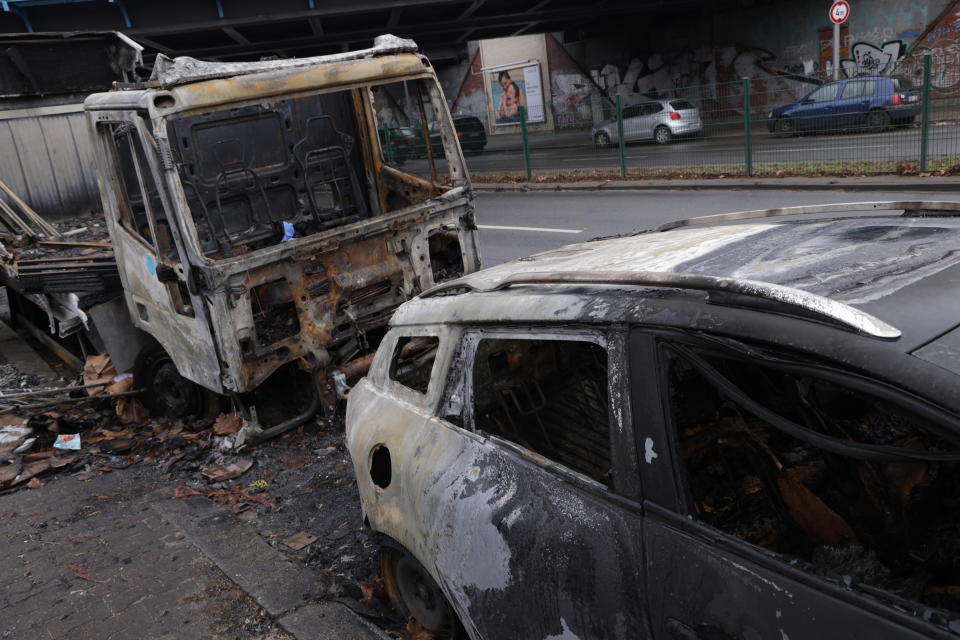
[659, 120]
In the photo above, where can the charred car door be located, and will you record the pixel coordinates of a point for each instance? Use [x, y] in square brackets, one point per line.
[157, 283]
[506, 493]
[785, 499]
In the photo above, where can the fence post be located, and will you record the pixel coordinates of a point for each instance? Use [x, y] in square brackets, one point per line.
[748, 143]
[925, 112]
[386, 143]
[523, 137]
[623, 151]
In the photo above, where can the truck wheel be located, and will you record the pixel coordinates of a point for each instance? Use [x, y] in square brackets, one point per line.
[165, 391]
[415, 594]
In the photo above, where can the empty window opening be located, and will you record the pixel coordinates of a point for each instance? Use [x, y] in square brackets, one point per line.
[889, 525]
[549, 396]
[274, 312]
[412, 361]
[446, 258]
[250, 173]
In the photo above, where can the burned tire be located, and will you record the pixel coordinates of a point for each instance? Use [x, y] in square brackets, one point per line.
[878, 120]
[601, 140]
[415, 594]
[662, 134]
[165, 391]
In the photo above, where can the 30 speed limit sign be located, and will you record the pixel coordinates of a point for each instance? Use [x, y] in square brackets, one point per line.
[839, 11]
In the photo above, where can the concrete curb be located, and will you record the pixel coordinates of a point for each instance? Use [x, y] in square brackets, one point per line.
[946, 184]
[278, 585]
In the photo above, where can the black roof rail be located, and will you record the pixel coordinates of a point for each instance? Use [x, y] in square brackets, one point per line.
[809, 303]
[909, 207]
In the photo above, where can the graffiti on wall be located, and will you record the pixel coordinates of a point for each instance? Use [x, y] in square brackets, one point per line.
[868, 59]
[941, 39]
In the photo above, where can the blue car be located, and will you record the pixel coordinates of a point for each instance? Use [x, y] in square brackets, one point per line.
[874, 102]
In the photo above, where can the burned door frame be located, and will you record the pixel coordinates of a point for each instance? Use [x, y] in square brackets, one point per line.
[598, 582]
[186, 338]
[709, 578]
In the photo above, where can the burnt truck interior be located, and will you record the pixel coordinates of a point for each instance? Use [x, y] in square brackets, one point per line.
[842, 479]
[254, 175]
[261, 174]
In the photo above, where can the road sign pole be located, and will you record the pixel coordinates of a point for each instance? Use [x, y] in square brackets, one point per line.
[623, 151]
[925, 112]
[836, 50]
[748, 146]
[839, 12]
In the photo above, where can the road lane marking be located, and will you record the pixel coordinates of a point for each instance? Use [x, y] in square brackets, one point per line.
[543, 229]
[859, 146]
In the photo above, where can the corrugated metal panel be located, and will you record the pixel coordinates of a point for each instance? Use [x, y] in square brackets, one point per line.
[48, 161]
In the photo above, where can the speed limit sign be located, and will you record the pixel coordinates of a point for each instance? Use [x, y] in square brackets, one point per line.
[839, 11]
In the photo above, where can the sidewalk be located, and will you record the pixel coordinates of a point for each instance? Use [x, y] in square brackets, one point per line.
[114, 557]
[940, 184]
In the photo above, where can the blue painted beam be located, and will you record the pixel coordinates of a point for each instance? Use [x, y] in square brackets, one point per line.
[20, 13]
[18, 7]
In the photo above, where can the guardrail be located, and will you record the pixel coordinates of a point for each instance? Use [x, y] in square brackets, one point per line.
[771, 125]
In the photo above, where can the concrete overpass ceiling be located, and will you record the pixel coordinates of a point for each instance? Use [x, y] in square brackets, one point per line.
[252, 29]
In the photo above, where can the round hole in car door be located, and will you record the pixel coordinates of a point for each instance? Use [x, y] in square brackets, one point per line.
[380, 470]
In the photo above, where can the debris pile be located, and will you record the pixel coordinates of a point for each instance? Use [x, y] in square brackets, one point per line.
[297, 490]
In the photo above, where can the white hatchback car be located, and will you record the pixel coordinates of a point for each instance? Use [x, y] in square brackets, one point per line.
[657, 120]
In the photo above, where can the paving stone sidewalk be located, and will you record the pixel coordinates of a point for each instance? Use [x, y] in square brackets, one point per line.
[108, 558]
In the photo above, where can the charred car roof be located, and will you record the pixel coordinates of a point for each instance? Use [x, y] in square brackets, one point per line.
[890, 278]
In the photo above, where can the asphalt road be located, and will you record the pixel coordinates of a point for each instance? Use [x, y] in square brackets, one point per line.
[574, 150]
[513, 225]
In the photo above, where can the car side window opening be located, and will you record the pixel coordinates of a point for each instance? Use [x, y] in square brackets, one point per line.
[859, 89]
[825, 93]
[411, 144]
[412, 361]
[857, 488]
[132, 171]
[548, 396]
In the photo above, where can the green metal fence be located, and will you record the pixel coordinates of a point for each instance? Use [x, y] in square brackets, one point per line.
[866, 125]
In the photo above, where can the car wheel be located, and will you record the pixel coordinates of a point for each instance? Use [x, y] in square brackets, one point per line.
[415, 594]
[601, 139]
[165, 391]
[878, 120]
[662, 134]
[785, 127]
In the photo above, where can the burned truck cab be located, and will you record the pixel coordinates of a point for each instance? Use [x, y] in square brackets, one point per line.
[264, 231]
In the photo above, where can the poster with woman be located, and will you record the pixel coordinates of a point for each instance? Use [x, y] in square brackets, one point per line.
[511, 89]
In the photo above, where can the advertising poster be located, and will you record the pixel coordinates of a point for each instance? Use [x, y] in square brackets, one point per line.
[513, 88]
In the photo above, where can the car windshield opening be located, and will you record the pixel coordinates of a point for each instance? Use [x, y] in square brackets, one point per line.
[886, 516]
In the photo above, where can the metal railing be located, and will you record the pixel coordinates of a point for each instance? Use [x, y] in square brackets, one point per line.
[766, 126]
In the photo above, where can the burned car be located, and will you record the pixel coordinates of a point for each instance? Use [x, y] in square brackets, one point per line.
[716, 431]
